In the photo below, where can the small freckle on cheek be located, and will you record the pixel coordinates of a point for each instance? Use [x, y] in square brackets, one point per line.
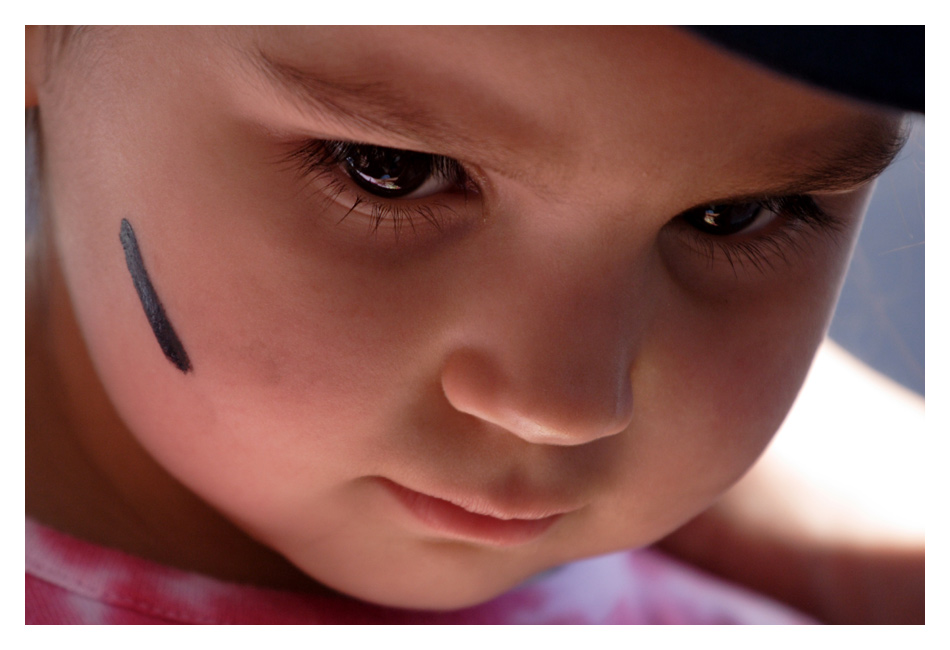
[261, 363]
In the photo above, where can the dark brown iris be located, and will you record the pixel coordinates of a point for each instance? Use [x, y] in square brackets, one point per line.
[723, 219]
[390, 173]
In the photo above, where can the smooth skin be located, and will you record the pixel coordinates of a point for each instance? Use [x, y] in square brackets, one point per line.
[561, 343]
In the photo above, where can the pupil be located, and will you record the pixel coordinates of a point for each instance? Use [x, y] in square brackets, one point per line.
[388, 172]
[723, 219]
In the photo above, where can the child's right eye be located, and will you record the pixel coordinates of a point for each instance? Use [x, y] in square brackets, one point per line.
[394, 185]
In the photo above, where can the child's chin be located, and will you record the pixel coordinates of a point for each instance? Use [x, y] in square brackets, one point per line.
[440, 594]
[446, 602]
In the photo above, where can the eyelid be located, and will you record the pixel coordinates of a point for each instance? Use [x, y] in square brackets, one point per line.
[799, 206]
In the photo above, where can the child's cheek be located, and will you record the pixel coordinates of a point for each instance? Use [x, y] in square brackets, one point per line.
[718, 370]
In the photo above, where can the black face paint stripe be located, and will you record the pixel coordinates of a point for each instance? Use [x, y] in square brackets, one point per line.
[167, 339]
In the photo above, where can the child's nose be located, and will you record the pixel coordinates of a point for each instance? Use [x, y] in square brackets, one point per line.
[569, 407]
[549, 357]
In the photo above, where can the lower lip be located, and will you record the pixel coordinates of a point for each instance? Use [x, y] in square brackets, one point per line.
[452, 521]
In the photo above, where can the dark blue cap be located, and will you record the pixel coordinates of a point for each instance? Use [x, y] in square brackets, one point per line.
[879, 64]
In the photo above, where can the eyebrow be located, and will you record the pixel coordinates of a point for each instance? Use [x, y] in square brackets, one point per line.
[847, 159]
[847, 162]
[376, 106]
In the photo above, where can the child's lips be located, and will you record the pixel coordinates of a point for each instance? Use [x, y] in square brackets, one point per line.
[503, 527]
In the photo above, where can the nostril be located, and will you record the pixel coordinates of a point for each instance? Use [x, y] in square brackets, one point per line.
[471, 385]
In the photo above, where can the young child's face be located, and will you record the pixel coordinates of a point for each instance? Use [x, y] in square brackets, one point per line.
[545, 338]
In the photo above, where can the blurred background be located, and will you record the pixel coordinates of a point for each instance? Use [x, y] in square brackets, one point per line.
[880, 317]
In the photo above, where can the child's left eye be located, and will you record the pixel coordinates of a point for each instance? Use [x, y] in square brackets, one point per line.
[755, 230]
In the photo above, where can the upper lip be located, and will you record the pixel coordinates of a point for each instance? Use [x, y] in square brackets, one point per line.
[518, 507]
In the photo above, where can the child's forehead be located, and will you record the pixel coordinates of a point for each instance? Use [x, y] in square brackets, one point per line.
[559, 101]
[579, 98]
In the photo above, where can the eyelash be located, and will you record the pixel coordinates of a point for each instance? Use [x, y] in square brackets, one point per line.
[324, 160]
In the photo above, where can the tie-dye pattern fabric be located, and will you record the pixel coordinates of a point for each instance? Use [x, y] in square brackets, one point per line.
[69, 581]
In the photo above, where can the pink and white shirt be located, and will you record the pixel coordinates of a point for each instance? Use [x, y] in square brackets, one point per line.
[69, 581]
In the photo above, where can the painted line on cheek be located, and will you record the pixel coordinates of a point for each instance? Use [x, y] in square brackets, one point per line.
[161, 327]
